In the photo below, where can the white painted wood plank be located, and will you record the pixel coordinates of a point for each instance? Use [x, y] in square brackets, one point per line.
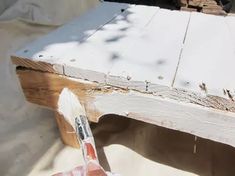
[151, 53]
[206, 123]
[99, 52]
[141, 38]
[60, 44]
[208, 57]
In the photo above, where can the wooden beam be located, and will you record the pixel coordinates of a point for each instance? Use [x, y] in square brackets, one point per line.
[138, 62]
[119, 36]
[44, 89]
[67, 133]
[99, 99]
[74, 32]
[142, 48]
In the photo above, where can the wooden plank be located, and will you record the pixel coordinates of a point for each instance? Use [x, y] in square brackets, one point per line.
[44, 88]
[207, 61]
[106, 46]
[99, 100]
[67, 133]
[145, 32]
[150, 53]
[60, 43]
[191, 97]
[120, 42]
[160, 37]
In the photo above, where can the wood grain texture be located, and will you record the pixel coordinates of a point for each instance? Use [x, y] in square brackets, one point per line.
[49, 86]
[202, 122]
[197, 98]
[100, 99]
[44, 89]
[67, 133]
[42, 66]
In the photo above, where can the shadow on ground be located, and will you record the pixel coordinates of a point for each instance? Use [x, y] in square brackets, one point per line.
[169, 147]
[24, 140]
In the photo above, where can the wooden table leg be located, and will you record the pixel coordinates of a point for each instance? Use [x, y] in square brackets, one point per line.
[67, 132]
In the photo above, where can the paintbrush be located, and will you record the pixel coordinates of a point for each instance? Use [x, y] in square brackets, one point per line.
[74, 113]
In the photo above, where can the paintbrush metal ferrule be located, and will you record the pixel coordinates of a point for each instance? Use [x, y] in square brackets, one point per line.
[82, 127]
[85, 138]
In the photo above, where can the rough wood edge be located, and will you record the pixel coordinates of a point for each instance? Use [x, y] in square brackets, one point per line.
[202, 99]
[44, 89]
[199, 98]
[67, 132]
[37, 65]
[100, 100]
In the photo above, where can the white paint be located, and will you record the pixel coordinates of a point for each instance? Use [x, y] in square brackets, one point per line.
[208, 55]
[69, 106]
[107, 41]
[204, 122]
[152, 51]
[230, 21]
[61, 44]
[143, 43]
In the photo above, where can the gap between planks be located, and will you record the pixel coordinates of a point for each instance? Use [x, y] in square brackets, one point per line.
[100, 27]
[181, 51]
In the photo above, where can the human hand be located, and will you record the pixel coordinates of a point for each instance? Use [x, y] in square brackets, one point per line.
[92, 169]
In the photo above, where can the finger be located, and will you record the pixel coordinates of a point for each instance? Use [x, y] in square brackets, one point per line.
[94, 169]
[78, 171]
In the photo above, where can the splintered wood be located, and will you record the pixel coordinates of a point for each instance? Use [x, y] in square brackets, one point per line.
[205, 6]
[169, 68]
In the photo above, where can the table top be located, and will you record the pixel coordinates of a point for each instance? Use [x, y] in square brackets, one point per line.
[141, 48]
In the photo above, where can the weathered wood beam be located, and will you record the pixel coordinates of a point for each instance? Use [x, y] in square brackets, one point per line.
[44, 88]
[67, 133]
[99, 99]
[122, 65]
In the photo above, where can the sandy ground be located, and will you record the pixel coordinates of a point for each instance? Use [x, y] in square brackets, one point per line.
[29, 138]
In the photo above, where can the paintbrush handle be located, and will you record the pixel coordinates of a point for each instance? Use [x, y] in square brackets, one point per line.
[89, 151]
[86, 138]
[82, 127]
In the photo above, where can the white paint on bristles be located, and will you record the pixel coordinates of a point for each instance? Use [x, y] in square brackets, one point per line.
[69, 106]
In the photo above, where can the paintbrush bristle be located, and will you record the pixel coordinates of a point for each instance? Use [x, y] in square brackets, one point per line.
[69, 106]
